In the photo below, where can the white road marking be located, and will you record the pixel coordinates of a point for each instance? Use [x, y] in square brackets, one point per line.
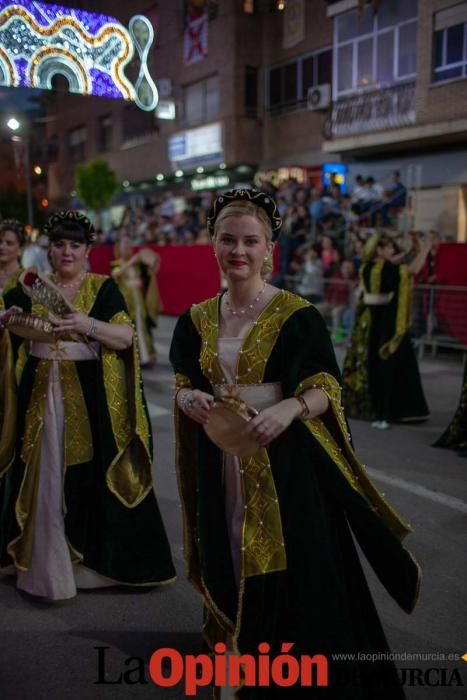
[436, 496]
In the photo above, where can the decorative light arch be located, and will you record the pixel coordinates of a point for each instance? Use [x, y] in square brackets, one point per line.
[39, 41]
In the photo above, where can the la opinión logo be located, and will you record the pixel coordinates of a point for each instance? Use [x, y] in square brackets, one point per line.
[168, 668]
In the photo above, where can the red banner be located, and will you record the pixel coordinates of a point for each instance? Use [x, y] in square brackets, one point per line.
[451, 305]
[187, 274]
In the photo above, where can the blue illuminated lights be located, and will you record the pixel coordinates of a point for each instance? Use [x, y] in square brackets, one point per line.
[39, 41]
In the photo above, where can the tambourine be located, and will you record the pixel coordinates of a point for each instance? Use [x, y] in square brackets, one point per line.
[226, 425]
[31, 327]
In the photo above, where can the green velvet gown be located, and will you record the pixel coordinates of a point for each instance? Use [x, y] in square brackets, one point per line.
[381, 379]
[112, 521]
[301, 579]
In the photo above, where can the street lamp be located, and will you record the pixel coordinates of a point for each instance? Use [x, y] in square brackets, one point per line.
[14, 125]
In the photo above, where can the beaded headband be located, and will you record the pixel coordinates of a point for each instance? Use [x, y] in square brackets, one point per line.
[74, 216]
[260, 199]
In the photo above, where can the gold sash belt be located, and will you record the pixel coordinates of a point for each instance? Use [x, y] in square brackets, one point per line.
[65, 350]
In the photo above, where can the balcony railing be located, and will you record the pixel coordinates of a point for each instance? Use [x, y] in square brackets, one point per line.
[386, 108]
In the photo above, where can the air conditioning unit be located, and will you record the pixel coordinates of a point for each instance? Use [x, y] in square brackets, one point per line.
[319, 96]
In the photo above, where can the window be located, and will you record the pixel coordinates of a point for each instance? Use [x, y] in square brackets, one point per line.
[450, 53]
[375, 49]
[251, 91]
[201, 102]
[288, 84]
[77, 144]
[104, 136]
[137, 124]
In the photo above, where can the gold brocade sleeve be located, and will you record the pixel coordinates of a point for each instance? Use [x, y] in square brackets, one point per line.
[129, 475]
[7, 402]
[331, 431]
[404, 303]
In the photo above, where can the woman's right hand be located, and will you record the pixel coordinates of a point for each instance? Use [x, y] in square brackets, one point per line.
[196, 405]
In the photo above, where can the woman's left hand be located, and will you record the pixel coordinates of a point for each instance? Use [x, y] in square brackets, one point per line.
[271, 422]
[75, 322]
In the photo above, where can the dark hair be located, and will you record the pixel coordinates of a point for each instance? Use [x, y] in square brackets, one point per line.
[15, 227]
[69, 230]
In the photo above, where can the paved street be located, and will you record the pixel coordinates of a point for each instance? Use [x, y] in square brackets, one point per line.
[48, 651]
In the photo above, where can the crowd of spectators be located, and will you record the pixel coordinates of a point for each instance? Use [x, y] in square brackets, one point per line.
[320, 245]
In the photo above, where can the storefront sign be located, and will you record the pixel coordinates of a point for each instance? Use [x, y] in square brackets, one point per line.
[196, 146]
[210, 182]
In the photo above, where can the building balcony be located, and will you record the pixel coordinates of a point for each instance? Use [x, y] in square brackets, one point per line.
[376, 110]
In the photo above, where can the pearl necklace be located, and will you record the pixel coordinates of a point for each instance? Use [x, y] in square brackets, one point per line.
[72, 285]
[250, 306]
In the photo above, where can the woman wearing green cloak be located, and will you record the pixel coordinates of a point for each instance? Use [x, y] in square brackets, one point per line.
[77, 505]
[381, 379]
[268, 540]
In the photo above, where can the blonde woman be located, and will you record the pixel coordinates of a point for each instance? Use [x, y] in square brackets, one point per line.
[268, 538]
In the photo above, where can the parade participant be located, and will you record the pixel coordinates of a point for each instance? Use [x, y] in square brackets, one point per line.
[455, 435]
[136, 278]
[268, 537]
[12, 240]
[78, 506]
[381, 380]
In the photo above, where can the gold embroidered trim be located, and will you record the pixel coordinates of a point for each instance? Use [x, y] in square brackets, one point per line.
[187, 488]
[375, 277]
[262, 548]
[20, 548]
[78, 446]
[129, 475]
[341, 451]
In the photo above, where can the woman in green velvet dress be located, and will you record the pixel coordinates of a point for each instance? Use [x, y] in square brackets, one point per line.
[78, 509]
[268, 541]
[381, 379]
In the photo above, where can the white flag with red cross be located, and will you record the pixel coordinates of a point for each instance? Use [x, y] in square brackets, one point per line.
[195, 44]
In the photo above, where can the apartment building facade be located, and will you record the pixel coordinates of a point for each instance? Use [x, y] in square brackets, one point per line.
[400, 101]
[282, 89]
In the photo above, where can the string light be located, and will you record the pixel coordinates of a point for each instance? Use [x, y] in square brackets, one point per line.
[37, 41]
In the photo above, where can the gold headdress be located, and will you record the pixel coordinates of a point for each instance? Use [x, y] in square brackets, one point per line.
[73, 216]
[260, 199]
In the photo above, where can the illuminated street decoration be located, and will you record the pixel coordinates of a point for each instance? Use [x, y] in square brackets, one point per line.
[39, 41]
